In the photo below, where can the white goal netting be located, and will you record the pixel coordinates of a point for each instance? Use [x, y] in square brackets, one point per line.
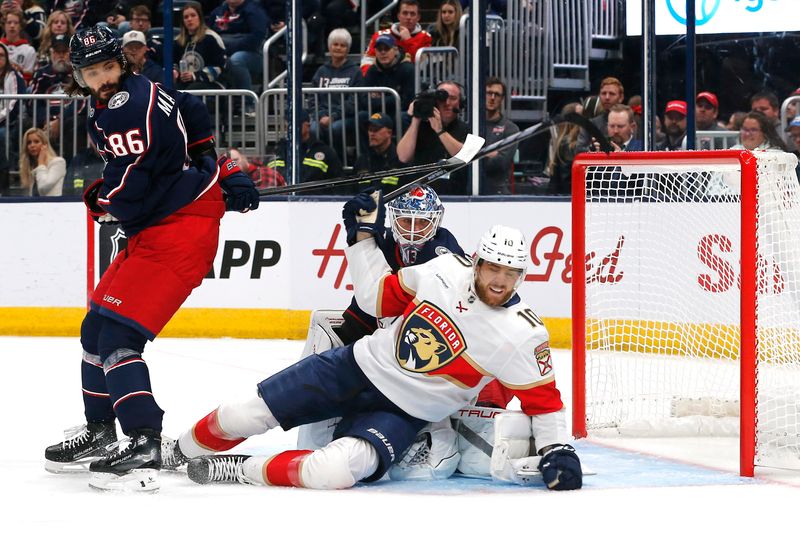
[663, 297]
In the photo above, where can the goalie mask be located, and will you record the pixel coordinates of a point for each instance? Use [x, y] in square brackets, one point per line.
[415, 218]
[502, 246]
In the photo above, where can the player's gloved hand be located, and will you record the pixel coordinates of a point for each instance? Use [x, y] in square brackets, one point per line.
[561, 468]
[365, 212]
[240, 191]
[90, 196]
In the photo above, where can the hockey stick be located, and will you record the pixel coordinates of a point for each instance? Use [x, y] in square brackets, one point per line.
[502, 144]
[365, 177]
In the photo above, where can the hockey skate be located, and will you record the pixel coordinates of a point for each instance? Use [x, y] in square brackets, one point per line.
[81, 445]
[217, 469]
[172, 457]
[132, 466]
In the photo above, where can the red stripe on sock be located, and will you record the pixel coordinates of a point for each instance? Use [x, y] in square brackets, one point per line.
[284, 469]
[208, 434]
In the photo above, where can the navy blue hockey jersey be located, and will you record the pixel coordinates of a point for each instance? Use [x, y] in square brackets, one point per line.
[142, 136]
[442, 243]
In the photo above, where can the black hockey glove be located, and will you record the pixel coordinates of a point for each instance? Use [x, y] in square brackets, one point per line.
[561, 468]
[365, 212]
[90, 196]
[240, 191]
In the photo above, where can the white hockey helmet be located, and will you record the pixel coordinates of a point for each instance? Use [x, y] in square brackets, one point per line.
[504, 246]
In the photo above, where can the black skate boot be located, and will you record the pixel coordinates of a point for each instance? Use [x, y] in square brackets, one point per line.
[133, 466]
[217, 469]
[172, 457]
[81, 445]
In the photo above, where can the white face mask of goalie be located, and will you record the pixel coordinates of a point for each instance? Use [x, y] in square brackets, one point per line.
[415, 218]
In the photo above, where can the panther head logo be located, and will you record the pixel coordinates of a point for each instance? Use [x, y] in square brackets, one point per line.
[425, 350]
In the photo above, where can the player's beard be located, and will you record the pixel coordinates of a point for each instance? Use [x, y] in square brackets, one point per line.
[108, 89]
[491, 298]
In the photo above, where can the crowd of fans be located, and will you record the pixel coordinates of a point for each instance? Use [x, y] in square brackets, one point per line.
[218, 45]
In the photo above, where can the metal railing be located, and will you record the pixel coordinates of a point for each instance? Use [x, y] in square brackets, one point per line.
[434, 64]
[374, 20]
[570, 42]
[281, 76]
[354, 115]
[606, 21]
[233, 125]
[716, 140]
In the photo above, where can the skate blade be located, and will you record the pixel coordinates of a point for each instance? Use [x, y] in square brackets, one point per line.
[75, 467]
[137, 480]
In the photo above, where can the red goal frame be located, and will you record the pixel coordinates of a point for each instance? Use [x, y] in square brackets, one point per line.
[748, 352]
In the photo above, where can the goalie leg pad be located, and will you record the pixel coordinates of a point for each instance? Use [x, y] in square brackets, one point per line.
[434, 454]
[512, 440]
[321, 334]
[475, 428]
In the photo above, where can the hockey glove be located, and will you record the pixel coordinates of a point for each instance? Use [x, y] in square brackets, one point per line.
[90, 196]
[561, 468]
[240, 191]
[365, 212]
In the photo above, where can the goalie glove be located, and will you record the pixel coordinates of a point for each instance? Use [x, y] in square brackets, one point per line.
[240, 191]
[90, 196]
[365, 212]
[561, 468]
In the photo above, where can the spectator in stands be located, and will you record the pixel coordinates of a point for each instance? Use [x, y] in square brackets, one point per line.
[497, 165]
[33, 18]
[52, 79]
[392, 70]
[83, 169]
[10, 83]
[766, 103]
[382, 152]
[758, 133]
[199, 52]
[735, 121]
[263, 177]
[440, 136]
[636, 104]
[21, 54]
[338, 72]
[141, 20]
[706, 112]
[444, 32]
[621, 130]
[318, 160]
[85, 13]
[562, 151]
[407, 32]
[41, 171]
[134, 46]
[611, 92]
[58, 23]
[242, 25]
[674, 126]
[793, 129]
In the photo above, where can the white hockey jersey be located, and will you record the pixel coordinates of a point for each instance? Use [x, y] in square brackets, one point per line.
[446, 344]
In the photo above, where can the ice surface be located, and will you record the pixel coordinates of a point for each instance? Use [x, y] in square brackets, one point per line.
[696, 490]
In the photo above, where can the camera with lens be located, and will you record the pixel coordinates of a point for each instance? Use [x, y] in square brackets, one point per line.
[425, 101]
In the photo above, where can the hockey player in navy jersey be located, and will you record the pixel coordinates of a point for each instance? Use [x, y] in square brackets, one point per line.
[170, 206]
[459, 324]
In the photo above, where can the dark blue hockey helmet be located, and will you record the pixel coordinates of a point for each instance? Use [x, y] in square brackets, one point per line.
[93, 45]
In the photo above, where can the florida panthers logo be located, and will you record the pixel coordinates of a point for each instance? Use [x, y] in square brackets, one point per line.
[428, 340]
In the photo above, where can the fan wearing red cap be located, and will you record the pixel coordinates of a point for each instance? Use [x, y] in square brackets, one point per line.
[674, 126]
[706, 108]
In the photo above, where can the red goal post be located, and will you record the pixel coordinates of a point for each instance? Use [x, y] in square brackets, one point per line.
[654, 306]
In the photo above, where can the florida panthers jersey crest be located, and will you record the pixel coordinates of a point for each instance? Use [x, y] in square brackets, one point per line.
[445, 344]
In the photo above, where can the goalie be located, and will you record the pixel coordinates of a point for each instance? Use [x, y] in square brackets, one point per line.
[460, 324]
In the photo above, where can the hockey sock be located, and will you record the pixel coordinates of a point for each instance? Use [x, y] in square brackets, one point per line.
[128, 383]
[284, 469]
[96, 400]
[207, 436]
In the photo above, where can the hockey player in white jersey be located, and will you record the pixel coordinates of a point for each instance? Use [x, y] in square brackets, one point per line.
[459, 325]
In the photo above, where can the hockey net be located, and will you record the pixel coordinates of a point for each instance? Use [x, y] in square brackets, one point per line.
[671, 337]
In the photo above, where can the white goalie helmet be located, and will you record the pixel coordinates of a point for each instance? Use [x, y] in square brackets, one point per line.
[504, 246]
[414, 218]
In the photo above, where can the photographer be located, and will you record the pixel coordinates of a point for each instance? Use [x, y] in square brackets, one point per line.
[621, 129]
[436, 132]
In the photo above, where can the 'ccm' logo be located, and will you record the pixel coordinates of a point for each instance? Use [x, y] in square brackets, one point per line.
[112, 300]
